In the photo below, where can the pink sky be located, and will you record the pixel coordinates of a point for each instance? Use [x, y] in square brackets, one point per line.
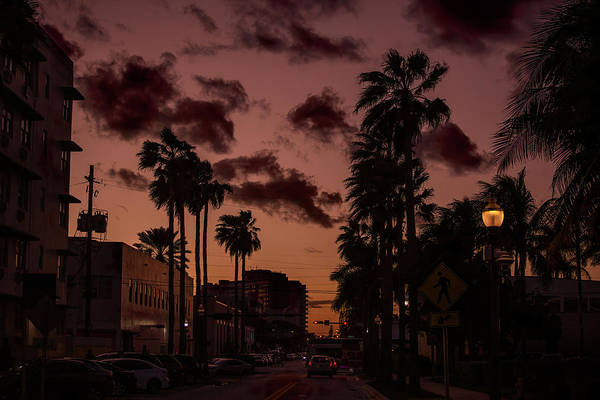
[474, 42]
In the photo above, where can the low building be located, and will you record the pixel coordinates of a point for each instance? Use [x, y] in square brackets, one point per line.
[129, 307]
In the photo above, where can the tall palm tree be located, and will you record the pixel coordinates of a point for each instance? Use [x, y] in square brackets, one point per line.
[155, 242]
[228, 235]
[395, 104]
[164, 158]
[201, 175]
[249, 243]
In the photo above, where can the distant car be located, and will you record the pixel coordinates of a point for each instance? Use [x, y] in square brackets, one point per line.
[174, 368]
[230, 366]
[131, 354]
[320, 365]
[148, 376]
[191, 368]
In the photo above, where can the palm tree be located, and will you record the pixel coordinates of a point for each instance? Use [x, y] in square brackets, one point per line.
[249, 243]
[155, 242]
[396, 107]
[228, 235]
[202, 174]
[164, 158]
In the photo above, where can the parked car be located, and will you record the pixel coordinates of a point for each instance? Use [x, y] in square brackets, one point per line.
[131, 354]
[148, 376]
[259, 360]
[230, 366]
[320, 365]
[191, 368]
[174, 368]
[125, 381]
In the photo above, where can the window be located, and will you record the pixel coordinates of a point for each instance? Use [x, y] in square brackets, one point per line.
[4, 190]
[130, 291]
[64, 161]
[47, 86]
[63, 214]
[26, 133]
[43, 199]
[3, 252]
[23, 193]
[6, 123]
[45, 142]
[20, 255]
[61, 267]
[67, 109]
[136, 292]
[29, 73]
[8, 64]
[145, 294]
[41, 258]
[103, 286]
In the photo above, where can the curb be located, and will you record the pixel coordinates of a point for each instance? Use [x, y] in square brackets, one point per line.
[370, 392]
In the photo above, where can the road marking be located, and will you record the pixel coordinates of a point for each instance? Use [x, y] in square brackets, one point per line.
[281, 391]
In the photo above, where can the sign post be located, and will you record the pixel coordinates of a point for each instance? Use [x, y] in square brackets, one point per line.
[443, 287]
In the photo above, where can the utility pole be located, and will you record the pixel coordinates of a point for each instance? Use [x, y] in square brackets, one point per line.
[88, 254]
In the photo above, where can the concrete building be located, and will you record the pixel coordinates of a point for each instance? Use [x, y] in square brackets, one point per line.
[560, 297]
[36, 103]
[221, 329]
[129, 308]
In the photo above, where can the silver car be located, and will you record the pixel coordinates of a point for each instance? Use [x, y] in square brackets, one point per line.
[320, 365]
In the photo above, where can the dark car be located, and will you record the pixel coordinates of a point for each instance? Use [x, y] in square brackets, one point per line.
[229, 366]
[128, 354]
[320, 365]
[191, 368]
[125, 381]
[174, 368]
[68, 379]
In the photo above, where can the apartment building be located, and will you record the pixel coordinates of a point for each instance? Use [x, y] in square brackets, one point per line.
[36, 104]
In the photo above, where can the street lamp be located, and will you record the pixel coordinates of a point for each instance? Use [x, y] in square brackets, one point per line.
[493, 216]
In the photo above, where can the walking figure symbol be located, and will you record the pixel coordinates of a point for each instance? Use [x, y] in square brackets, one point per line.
[443, 283]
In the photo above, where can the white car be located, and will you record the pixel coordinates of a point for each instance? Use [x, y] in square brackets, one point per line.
[148, 376]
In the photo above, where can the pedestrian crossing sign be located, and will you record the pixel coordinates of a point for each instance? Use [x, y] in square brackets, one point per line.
[443, 287]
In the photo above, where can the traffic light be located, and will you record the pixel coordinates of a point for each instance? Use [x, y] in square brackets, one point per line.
[345, 323]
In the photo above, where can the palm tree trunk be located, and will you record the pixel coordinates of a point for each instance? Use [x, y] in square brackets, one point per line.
[205, 293]
[235, 307]
[388, 313]
[243, 322]
[171, 277]
[198, 343]
[579, 294]
[411, 252]
[182, 302]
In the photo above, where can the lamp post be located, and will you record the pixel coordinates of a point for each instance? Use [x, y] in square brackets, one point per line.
[493, 216]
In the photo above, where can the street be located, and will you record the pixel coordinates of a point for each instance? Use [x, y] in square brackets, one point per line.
[277, 383]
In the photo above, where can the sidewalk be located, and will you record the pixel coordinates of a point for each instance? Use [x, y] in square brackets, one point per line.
[456, 393]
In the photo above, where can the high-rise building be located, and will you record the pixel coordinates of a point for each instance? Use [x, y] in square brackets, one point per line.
[36, 103]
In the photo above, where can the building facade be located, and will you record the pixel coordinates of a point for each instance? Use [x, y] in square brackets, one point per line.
[129, 307]
[36, 103]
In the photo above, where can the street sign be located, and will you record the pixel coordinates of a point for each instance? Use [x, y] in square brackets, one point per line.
[443, 287]
[444, 319]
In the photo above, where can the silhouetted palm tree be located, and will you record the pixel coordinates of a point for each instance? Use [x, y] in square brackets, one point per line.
[228, 235]
[164, 158]
[249, 243]
[397, 109]
[155, 242]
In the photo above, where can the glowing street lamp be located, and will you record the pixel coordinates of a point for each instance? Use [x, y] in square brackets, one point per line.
[492, 214]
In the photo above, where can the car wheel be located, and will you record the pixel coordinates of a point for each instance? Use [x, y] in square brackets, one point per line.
[153, 386]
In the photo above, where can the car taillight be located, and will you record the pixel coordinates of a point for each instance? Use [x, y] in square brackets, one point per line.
[110, 373]
[330, 364]
[309, 363]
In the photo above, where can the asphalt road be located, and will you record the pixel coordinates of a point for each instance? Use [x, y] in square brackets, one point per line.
[277, 383]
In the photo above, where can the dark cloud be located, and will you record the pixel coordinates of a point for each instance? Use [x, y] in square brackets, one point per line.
[207, 22]
[471, 26]
[263, 162]
[232, 93]
[204, 123]
[286, 192]
[129, 178]
[71, 48]
[132, 97]
[321, 117]
[449, 145]
[319, 303]
[285, 27]
[127, 94]
[89, 27]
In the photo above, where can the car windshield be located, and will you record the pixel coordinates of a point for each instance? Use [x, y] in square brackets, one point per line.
[320, 359]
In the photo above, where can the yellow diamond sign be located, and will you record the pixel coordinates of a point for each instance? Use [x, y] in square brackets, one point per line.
[443, 287]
